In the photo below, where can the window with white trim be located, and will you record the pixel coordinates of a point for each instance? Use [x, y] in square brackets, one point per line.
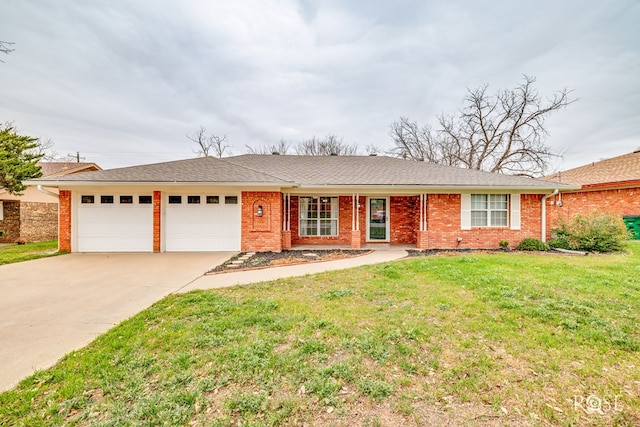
[318, 216]
[489, 210]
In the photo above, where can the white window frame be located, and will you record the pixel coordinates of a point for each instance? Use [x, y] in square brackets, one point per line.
[489, 210]
[303, 212]
[514, 211]
[1, 211]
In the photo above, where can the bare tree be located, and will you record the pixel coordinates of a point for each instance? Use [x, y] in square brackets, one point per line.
[329, 145]
[503, 132]
[6, 47]
[208, 145]
[372, 149]
[281, 147]
[420, 143]
[45, 149]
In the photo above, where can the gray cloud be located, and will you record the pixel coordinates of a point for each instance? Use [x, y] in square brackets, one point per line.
[123, 82]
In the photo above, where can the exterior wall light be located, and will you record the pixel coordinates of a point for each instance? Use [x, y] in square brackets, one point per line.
[259, 210]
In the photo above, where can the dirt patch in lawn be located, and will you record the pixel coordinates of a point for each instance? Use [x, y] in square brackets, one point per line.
[251, 260]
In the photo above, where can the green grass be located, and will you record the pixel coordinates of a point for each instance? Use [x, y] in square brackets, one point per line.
[16, 253]
[479, 339]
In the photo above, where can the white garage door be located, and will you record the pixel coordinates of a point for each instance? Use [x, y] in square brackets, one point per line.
[115, 223]
[202, 222]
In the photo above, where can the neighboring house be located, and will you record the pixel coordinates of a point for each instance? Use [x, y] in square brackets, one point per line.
[273, 202]
[33, 216]
[610, 185]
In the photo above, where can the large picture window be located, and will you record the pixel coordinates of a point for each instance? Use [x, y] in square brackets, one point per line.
[489, 210]
[318, 216]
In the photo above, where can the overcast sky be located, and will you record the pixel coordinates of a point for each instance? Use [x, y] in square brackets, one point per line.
[123, 82]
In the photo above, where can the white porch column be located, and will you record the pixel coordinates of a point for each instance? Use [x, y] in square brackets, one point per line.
[355, 222]
[423, 212]
[422, 239]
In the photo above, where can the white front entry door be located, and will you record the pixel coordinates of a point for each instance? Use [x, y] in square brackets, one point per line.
[378, 219]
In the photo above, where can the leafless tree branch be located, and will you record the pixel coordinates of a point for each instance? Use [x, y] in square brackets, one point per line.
[329, 145]
[281, 147]
[45, 149]
[6, 47]
[503, 132]
[208, 145]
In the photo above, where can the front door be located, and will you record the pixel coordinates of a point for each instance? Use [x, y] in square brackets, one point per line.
[378, 222]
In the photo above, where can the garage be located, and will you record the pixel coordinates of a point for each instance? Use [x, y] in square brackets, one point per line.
[115, 223]
[202, 222]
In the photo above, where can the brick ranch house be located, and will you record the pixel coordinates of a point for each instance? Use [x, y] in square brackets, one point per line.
[610, 185]
[33, 216]
[274, 202]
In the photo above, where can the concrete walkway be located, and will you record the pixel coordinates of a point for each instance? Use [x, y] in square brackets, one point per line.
[261, 275]
[51, 306]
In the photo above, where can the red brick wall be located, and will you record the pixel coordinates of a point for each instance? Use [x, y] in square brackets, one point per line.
[404, 214]
[622, 202]
[64, 223]
[443, 216]
[443, 223]
[261, 233]
[157, 209]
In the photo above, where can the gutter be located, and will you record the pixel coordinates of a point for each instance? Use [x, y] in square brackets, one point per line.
[47, 192]
[543, 220]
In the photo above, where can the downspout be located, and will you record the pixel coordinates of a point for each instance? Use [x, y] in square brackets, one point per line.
[544, 214]
[47, 192]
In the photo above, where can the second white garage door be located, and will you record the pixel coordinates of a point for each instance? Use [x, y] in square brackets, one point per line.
[202, 222]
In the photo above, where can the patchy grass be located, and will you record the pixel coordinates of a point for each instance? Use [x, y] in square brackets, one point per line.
[16, 253]
[472, 340]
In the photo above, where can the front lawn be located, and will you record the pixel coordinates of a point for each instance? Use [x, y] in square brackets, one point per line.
[16, 253]
[468, 340]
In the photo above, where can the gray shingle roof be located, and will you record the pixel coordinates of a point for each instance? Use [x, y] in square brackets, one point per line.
[308, 171]
[201, 169]
[376, 170]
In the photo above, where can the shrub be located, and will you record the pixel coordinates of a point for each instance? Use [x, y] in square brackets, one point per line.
[503, 244]
[560, 242]
[531, 244]
[595, 232]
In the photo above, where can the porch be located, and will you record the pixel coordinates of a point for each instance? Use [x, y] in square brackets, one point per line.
[377, 221]
[365, 247]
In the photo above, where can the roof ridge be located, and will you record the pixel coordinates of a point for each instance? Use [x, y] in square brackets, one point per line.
[256, 170]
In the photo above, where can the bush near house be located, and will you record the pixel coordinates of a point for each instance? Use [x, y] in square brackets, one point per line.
[594, 232]
[531, 244]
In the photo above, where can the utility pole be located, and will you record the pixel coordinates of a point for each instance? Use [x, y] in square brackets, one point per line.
[77, 157]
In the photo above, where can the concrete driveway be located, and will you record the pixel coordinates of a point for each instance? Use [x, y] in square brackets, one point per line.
[51, 306]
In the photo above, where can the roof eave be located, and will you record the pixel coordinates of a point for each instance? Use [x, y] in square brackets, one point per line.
[413, 188]
[64, 183]
[612, 185]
